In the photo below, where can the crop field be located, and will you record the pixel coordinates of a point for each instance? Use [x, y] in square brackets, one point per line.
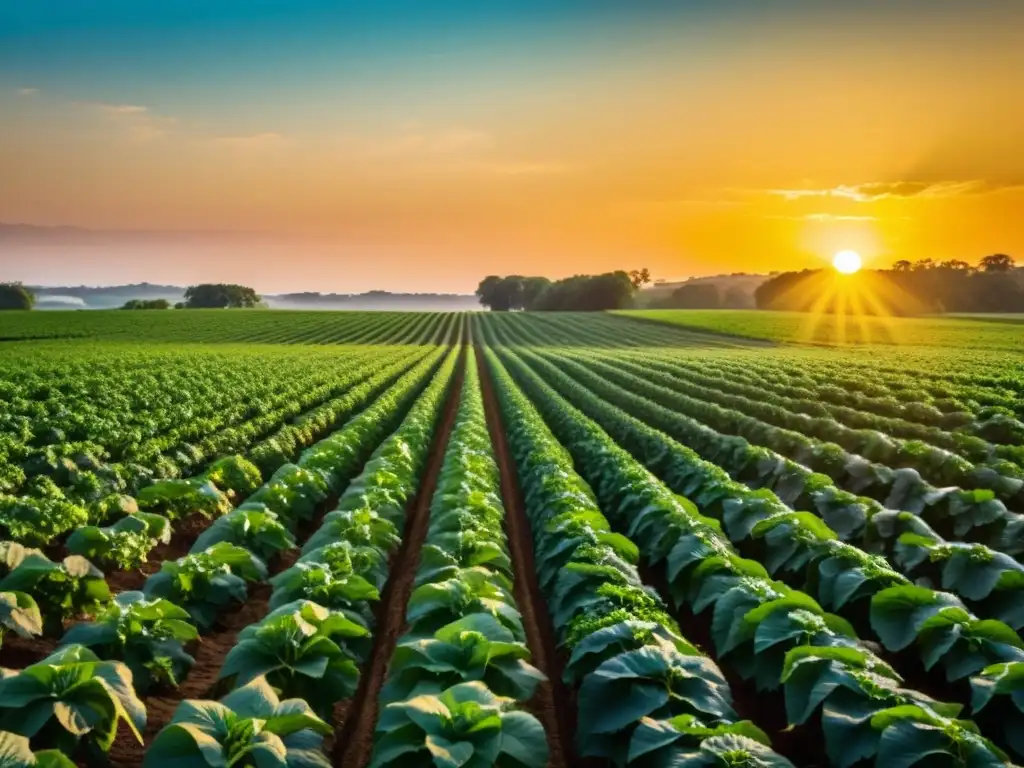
[305, 539]
[999, 333]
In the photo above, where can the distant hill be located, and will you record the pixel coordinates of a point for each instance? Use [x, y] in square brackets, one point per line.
[739, 281]
[113, 296]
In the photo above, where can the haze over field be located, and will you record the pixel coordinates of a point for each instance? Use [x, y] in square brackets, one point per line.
[415, 147]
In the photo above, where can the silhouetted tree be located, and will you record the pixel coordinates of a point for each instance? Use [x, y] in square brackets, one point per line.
[612, 290]
[694, 296]
[997, 262]
[147, 304]
[16, 296]
[220, 296]
[906, 289]
[640, 277]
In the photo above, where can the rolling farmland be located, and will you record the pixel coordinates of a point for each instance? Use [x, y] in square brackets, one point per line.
[568, 539]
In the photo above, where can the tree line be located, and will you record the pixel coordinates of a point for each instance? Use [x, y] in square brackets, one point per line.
[580, 293]
[203, 296]
[994, 284]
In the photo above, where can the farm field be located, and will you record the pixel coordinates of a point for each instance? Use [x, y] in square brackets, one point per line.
[394, 539]
[996, 333]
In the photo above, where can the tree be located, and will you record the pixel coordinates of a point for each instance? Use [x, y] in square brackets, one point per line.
[147, 304]
[956, 265]
[640, 277]
[220, 296]
[499, 294]
[16, 296]
[997, 262]
[531, 289]
[902, 266]
[696, 296]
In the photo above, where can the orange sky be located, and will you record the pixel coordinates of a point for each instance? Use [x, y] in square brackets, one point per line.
[691, 146]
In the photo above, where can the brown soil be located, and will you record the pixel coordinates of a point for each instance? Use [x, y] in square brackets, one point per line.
[552, 704]
[354, 737]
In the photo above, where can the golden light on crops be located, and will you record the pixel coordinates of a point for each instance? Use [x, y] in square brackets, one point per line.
[847, 262]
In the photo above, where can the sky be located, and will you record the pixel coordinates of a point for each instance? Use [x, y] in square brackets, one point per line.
[414, 146]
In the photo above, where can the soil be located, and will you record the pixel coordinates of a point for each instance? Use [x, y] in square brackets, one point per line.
[552, 704]
[353, 744]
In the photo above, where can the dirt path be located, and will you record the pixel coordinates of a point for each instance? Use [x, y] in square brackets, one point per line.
[552, 704]
[354, 737]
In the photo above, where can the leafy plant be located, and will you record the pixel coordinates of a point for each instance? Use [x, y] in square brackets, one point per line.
[204, 582]
[16, 752]
[147, 635]
[19, 613]
[249, 728]
[475, 647]
[998, 697]
[124, 544]
[70, 697]
[234, 475]
[687, 742]
[179, 498]
[61, 590]
[258, 530]
[303, 651]
[653, 681]
[465, 725]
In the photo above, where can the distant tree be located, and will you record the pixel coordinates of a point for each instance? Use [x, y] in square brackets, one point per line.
[499, 294]
[956, 265]
[530, 291]
[147, 304]
[695, 296]
[640, 277]
[737, 298]
[16, 296]
[997, 262]
[220, 296]
[922, 264]
[902, 266]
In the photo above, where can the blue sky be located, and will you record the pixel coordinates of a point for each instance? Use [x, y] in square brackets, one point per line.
[687, 134]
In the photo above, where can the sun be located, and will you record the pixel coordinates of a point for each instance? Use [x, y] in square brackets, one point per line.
[847, 262]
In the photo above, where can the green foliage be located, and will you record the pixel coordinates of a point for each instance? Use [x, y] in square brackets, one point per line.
[304, 651]
[125, 544]
[69, 697]
[16, 752]
[147, 635]
[258, 530]
[465, 725]
[16, 296]
[61, 590]
[204, 582]
[19, 613]
[220, 296]
[249, 727]
[179, 498]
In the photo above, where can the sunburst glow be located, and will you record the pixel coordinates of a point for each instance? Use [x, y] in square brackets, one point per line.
[847, 262]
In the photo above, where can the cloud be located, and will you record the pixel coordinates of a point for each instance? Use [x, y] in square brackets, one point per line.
[123, 109]
[514, 168]
[28, 91]
[898, 190]
[253, 141]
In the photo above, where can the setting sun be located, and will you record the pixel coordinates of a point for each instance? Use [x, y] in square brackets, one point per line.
[847, 262]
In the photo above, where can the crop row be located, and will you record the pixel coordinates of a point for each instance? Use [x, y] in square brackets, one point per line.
[39, 520]
[770, 631]
[644, 694]
[887, 470]
[946, 457]
[146, 632]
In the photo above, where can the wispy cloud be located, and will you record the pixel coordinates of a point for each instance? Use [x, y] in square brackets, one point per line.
[28, 91]
[253, 141]
[123, 109]
[897, 190]
[516, 168]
